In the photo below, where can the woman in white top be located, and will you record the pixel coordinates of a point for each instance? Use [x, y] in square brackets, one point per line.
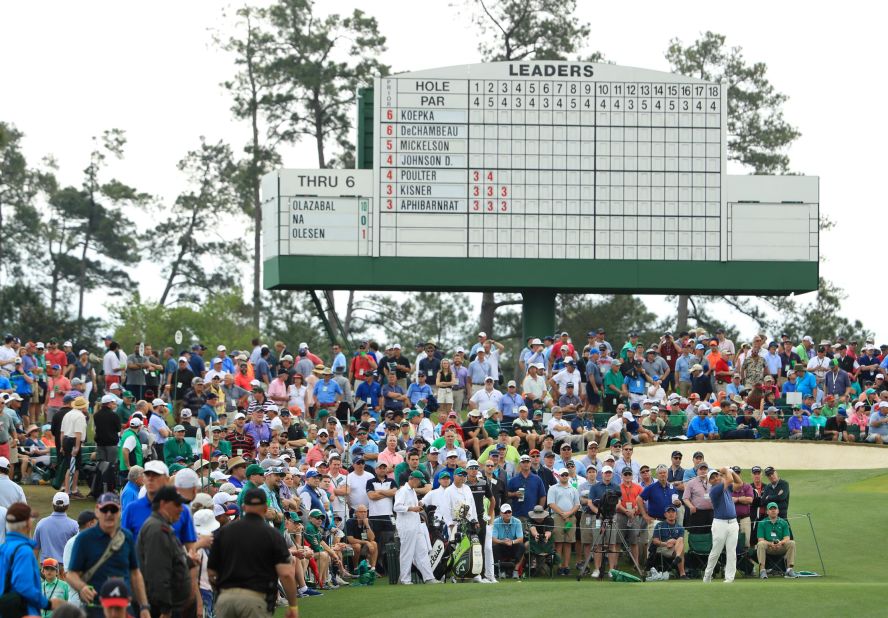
[297, 393]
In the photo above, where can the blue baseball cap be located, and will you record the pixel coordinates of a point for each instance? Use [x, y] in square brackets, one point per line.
[311, 474]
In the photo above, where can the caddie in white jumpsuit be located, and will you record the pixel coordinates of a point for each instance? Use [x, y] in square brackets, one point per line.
[414, 535]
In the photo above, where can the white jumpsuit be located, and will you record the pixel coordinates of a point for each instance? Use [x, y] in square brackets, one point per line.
[414, 536]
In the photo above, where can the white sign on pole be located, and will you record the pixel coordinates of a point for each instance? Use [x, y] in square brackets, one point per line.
[178, 337]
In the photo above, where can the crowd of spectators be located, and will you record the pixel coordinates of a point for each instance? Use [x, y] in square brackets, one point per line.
[179, 438]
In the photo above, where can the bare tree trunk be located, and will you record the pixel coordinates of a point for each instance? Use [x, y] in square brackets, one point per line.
[257, 202]
[682, 318]
[349, 314]
[488, 310]
[86, 240]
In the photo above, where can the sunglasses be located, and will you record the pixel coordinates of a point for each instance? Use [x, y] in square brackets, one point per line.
[109, 509]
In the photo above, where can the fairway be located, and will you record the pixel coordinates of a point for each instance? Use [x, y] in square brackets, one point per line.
[838, 501]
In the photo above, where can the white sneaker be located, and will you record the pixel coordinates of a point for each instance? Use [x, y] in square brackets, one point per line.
[596, 574]
[654, 572]
[492, 580]
[707, 580]
[431, 581]
[340, 581]
[479, 580]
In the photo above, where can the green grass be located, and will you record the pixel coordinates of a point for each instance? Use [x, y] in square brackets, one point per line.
[838, 501]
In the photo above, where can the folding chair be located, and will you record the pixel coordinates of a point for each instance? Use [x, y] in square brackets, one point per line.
[809, 432]
[697, 553]
[540, 555]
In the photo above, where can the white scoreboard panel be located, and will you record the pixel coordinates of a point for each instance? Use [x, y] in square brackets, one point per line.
[317, 212]
[549, 160]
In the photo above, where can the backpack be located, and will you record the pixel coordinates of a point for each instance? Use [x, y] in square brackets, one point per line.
[12, 604]
[104, 479]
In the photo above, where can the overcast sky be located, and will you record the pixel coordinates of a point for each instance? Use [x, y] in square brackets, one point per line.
[75, 68]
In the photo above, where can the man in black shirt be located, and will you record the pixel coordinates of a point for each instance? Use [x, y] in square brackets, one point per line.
[247, 559]
[107, 432]
[179, 383]
[430, 365]
[397, 363]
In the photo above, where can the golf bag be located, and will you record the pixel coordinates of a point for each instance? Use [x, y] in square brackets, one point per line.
[467, 559]
[104, 479]
[439, 555]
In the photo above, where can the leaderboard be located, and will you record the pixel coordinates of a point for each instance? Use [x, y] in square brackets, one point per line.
[549, 160]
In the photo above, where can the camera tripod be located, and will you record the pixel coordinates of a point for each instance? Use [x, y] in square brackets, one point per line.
[600, 546]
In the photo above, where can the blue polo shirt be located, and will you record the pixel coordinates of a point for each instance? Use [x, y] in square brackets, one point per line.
[722, 502]
[89, 546]
[702, 425]
[417, 392]
[325, 392]
[509, 405]
[658, 498]
[666, 532]
[635, 384]
[534, 489]
[137, 513]
[369, 393]
[371, 447]
[806, 385]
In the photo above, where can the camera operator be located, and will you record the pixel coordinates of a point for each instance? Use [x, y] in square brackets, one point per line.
[602, 502]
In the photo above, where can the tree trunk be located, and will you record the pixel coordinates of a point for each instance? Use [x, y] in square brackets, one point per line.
[257, 203]
[319, 133]
[488, 310]
[349, 314]
[86, 239]
[682, 318]
[183, 249]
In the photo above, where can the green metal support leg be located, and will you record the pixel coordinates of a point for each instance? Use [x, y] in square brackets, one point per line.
[538, 313]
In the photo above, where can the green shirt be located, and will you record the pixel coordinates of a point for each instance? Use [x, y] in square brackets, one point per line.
[773, 532]
[248, 485]
[626, 346]
[55, 590]
[725, 422]
[492, 428]
[125, 412]
[313, 536]
[614, 379]
[173, 448]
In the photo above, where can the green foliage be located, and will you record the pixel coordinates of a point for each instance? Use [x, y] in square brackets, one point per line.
[617, 314]
[90, 239]
[758, 135]
[24, 312]
[20, 231]
[197, 260]
[821, 318]
[289, 316]
[318, 63]
[222, 318]
[423, 316]
[528, 29]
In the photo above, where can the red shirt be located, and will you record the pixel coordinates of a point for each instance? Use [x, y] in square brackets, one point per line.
[58, 357]
[362, 365]
[771, 422]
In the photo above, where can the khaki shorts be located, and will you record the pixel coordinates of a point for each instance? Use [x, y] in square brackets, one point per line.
[587, 528]
[668, 552]
[559, 534]
[241, 603]
[445, 395]
[610, 538]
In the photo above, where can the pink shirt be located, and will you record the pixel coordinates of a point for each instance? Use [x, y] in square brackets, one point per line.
[391, 459]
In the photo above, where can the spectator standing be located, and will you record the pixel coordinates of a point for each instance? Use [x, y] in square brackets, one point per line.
[246, 560]
[73, 436]
[18, 565]
[776, 490]
[86, 520]
[10, 491]
[162, 557]
[107, 423]
[51, 533]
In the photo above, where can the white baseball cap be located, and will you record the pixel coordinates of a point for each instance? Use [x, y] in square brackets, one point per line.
[220, 348]
[61, 499]
[606, 469]
[157, 467]
[158, 402]
[223, 497]
[135, 422]
[109, 398]
[67, 344]
[4, 463]
[506, 508]
[186, 478]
